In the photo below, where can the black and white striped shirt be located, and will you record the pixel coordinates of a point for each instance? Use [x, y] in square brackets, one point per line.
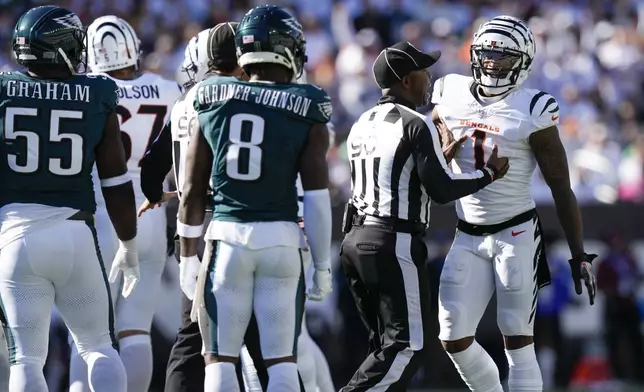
[398, 166]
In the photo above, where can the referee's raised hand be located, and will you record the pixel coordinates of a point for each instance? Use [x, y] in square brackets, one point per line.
[499, 165]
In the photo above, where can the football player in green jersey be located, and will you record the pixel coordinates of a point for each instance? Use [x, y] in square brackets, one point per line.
[56, 126]
[249, 143]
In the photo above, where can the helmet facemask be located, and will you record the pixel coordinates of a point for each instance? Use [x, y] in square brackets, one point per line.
[496, 69]
[78, 57]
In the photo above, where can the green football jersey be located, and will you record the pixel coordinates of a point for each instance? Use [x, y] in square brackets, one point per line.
[257, 132]
[50, 130]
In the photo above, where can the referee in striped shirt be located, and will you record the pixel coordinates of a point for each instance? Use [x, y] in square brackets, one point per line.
[397, 167]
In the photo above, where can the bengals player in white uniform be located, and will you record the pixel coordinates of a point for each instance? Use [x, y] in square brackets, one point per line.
[145, 101]
[498, 246]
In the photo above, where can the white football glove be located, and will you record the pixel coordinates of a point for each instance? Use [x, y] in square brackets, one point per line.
[127, 261]
[322, 285]
[188, 275]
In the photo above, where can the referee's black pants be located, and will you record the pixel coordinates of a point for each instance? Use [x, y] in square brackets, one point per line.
[386, 272]
[185, 371]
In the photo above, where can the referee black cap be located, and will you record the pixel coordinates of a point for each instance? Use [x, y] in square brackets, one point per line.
[399, 60]
[221, 44]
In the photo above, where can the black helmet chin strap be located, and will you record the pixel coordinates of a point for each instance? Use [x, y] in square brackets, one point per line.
[66, 59]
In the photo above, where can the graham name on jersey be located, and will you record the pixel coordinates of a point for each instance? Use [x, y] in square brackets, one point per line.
[279, 99]
[44, 90]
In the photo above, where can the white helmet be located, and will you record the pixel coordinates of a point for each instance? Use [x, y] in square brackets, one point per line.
[112, 44]
[195, 60]
[501, 54]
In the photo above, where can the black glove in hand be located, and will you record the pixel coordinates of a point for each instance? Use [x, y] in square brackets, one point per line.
[582, 268]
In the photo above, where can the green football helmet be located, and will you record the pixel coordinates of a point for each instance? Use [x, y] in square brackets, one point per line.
[269, 34]
[48, 35]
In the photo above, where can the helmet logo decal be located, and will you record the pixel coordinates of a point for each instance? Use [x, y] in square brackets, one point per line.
[293, 24]
[70, 21]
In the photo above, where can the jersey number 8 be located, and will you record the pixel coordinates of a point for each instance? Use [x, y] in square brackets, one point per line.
[244, 157]
[30, 161]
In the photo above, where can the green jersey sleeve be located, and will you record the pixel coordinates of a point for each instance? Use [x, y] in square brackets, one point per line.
[321, 108]
[109, 97]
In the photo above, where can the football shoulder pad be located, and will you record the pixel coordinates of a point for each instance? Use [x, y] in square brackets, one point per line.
[449, 87]
[543, 109]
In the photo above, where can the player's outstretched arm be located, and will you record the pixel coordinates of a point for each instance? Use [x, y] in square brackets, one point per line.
[116, 184]
[156, 164]
[553, 163]
[314, 172]
[192, 206]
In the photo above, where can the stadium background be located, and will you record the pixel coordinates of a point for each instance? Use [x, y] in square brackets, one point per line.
[589, 56]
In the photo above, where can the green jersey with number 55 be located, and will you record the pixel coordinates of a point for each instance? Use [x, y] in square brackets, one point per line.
[50, 131]
[257, 132]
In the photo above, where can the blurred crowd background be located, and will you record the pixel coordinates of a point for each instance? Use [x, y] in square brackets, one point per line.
[589, 56]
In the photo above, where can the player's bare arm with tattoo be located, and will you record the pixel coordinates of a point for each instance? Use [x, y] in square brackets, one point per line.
[192, 206]
[553, 163]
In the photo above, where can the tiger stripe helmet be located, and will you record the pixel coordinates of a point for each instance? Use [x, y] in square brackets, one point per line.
[501, 54]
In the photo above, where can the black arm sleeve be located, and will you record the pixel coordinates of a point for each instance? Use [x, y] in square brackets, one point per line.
[156, 164]
[441, 183]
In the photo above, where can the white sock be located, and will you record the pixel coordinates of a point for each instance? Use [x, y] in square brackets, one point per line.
[477, 369]
[547, 359]
[106, 371]
[249, 372]
[27, 377]
[4, 363]
[77, 372]
[525, 375]
[282, 377]
[136, 354]
[322, 372]
[306, 362]
[221, 377]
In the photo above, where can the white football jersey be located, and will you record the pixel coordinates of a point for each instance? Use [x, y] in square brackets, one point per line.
[508, 123]
[183, 114]
[143, 109]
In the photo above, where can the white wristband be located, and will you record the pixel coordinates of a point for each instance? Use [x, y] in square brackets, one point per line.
[187, 231]
[317, 209]
[187, 259]
[323, 265]
[116, 181]
[129, 245]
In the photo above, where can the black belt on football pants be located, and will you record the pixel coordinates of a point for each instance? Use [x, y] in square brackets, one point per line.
[543, 271]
